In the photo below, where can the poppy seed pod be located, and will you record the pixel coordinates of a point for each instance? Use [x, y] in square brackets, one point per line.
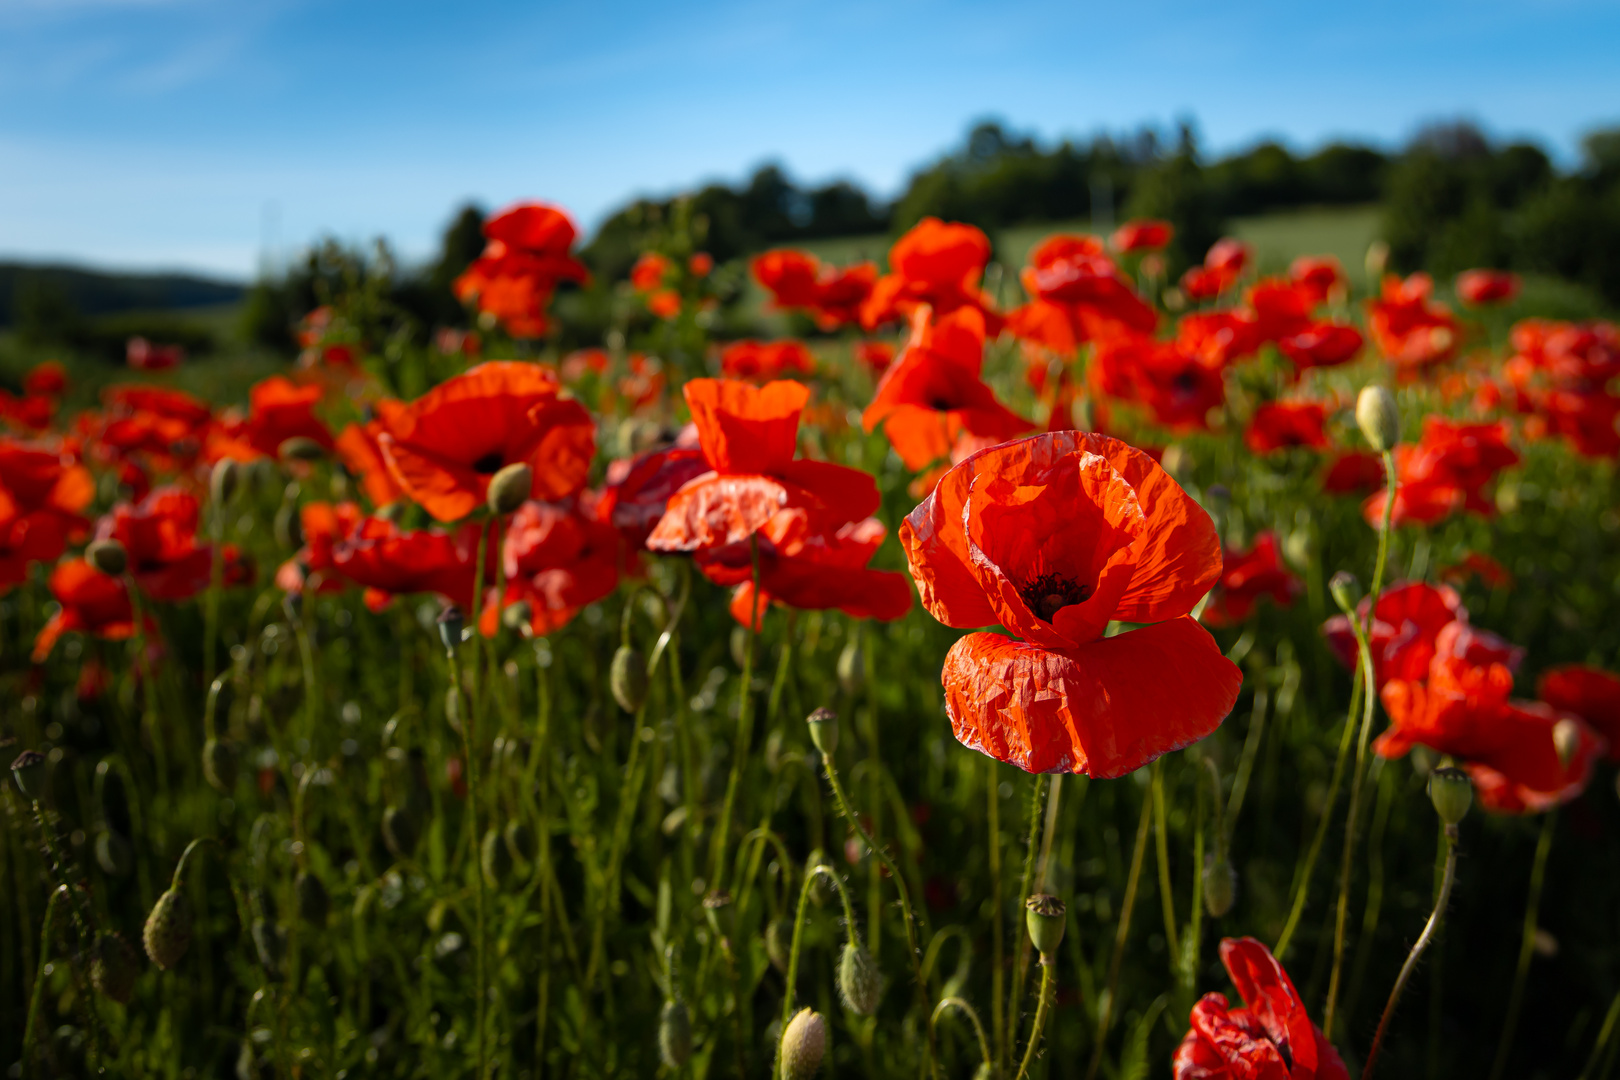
[860, 983]
[314, 904]
[450, 623]
[1451, 792]
[1346, 591]
[1566, 735]
[509, 488]
[113, 967]
[219, 765]
[1044, 917]
[494, 860]
[823, 725]
[804, 1044]
[1220, 884]
[108, 556]
[168, 929]
[224, 480]
[29, 773]
[852, 668]
[675, 1034]
[1379, 418]
[299, 448]
[628, 678]
[399, 832]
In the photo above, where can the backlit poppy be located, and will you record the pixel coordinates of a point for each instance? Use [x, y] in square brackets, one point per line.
[1282, 425]
[558, 560]
[42, 493]
[799, 281]
[278, 409]
[159, 535]
[443, 447]
[1320, 278]
[1177, 386]
[1142, 234]
[648, 273]
[388, 561]
[813, 573]
[165, 428]
[1246, 576]
[1444, 472]
[1589, 693]
[765, 360]
[1415, 623]
[1223, 265]
[324, 526]
[526, 256]
[92, 603]
[1053, 537]
[1072, 276]
[935, 263]
[638, 490]
[1410, 329]
[1481, 287]
[1321, 344]
[357, 447]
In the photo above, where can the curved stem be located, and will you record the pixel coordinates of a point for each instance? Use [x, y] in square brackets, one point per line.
[1132, 879]
[798, 930]
[913, 951]
[998, 948]
[744, 731]
[1527, 944]
[1346, 863]
[973, 1018]
[1048, 988]
[1025, 883]
[1417, 950]
[31, 1030]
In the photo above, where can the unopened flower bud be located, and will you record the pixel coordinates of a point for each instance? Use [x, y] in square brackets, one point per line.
[852, 668]
[804, 1044]
[1346, 591]
[494, 860]
[509, 488]
[113, 967]
[1379, 418]
[450, 623]
[224, 480]
[399, 832]
[1566, 735]
[675, 1034]
[300, 448]
[219, 765]
[288, 528]
[108, 556]
[860, 983]
[168, 929]
[1220, 884]
[1451, 792]
[628, 678]
[823, 725]
[29, 773]
[1044, 916]
[314, 904]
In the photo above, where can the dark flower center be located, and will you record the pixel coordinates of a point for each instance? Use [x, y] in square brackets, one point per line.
[940, 404]
[490, 464]
[1185, 382]
[1051, 592]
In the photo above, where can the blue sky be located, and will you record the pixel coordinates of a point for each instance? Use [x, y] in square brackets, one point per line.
[189, 133]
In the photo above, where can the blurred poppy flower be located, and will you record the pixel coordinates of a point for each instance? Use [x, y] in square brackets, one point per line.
[1479, 288]
[1223, 265]
[1321, 344]
[167, 427]
[1410, 329]
[524, 259]
[1141, 234]
[278, 409]
[1589, 693]
[92, 603]
[159, 535]
[647, 275]
[32, 412]
[748, 435]
[1478, 564]
[443, 447]
[143, 355]
[1177, 386]
[1218, 338]
[1272, 1038]
[875, 355]
[324, 526]
[1319, 278]
[1444, 472]
[1281, 425]
[1414, 623]
[933, 393]
[700, 264]
[665, 303]
[765, 360]
[48, 379]
[1353, 472]
[1246, 576]
[388, 561]
[558, 560]
[799, 281]
[639, 489]
[358, 448]
[1079, 295]
[935, 263]
[813, 573]
[1053, 537]
[42, 493]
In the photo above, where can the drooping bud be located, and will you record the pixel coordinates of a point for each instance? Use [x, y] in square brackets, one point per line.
[29, 773]
[860, 983]
[1566, 735]
[1379, 418]
[675, 1034]
[399, 832]
[450, 623]
[168, 929]
[108, 556]
[1044, 917]
[219, 765]
[300, 448]
[779, 942]
[224, 480]
[113, 967]
[288, 528]
[114, 854]
[312, 900]
[628, 678]
[852, 668]
[823, 725]
[804, 1044]
[1220, 884]
[1346, 591]
[494, 860]
[509, 488]
[1451, 792]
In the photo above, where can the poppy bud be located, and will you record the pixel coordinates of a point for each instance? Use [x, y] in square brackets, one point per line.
[823, 725]
[860, 983]
[1346, 591]
[224, 480]
[852, 668]
[520, 842]
[1451, 792]
[804, 1044]
[628, 678]
[29, 773]
[675, 1034]
[451, 622]
[779, 942]
[1566, 739]
[494, 860]
[313, 901]
[287, 528]
[114, 854]
[509, 488]
[299, 448]
[168, 929]
[108, 556]
[1220, 884]
[1044, 918]
[518, 616]
[113, 967]
[1379, 418]
[399, 832]
[219, 765]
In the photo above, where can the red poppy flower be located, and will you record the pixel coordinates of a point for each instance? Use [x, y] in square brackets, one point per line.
[1410, 330]
[1224, 264]
[443, 447]
[748, 435]
[665, 303]
[934, 263]
[1218, 338]
[639, 490]
[159, 535]
[1321, 344]
[649, 272]
[1444, 472]
[1281, 425]
[765, 360]
[278, 409]
[143, 355]
[933, 393]
[875, 355]
[1278, 307]
[167, 427]
[92, 603]
[1415, 623]
[42, 492]
[525, 258]
[558, 560]
[1589, 693]
[1352, 472]
[700, 264]
[813, 572]
[1177, 386]
[1053, 537]
[358, 448]
[1481, 287]
[1079, 295]
[388, 561]
[798, 280]
[31, 413]
[1319, 277]
[1462, 708]
[48, 379]
[1246, 576]
[1272, 1038]
[1478, 564]
[324, 525]
[1141, 235]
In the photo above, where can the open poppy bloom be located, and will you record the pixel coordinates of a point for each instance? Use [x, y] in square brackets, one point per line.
[1589, 693]
[638, 489]
[159, 535]
[1079, 295]
[1141, 234]
[388, 561]
[358, 448]
[1053, 537]
[935, 263]
[1224, 264]
[1271, 1038]
[443, 447]
[278, 409]
[765, 360]
[1411, 330]
[1318, 277]
[1178, 387]
[525, 258]
[1246, 576]
[324, 525]
[1283, 425]
[558, 560]
[1481, 287]
[1321, 344]
[1444, 472]
[92, 603]
[165, 428]
[799, 281]
[1353, 472]
[1414, 623]
[47, 379]
[933, 393]
[748, 435]
[42, 491]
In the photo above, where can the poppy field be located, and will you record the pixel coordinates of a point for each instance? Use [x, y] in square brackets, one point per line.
[1076, 669]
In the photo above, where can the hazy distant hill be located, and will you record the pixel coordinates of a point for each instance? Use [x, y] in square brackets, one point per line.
[94, 292]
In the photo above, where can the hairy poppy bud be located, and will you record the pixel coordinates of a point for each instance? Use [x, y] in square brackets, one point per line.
[108, 556]
[450, 623]
[113, 967]
[852, 668]
[675, 1034]
[1346, 591]
[219, 764]
[224, 480]
[860, 983]
[628, 678]
[299, 448]
[1451, 792]
[1379, 418]
[287, 528]
[779, 942]
[823, 725]
[313, 902]
[29, 773]
[1220, 884]
[399, 832]
[509, 488]
[1044, 918]
[520, 842]
[1566, 739]
[804, 1044]
[168, 929]
[518, 616]
[114, 854]
[494, 860]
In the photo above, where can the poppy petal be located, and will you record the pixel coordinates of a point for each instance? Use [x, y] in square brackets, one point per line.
[714, 510]
[744, 428]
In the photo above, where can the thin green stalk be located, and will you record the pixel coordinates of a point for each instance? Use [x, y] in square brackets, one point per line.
[973, 1018]
[1604, 1035]
[998, 946]
[1106, 1016]
[798, 930]
[31, 1029]
[1527, 945]
[1025, 884]
[1042, 1011]
[468, 745]
[1161, 842]
[739, 752]
[216, 575]
[1251, 750]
